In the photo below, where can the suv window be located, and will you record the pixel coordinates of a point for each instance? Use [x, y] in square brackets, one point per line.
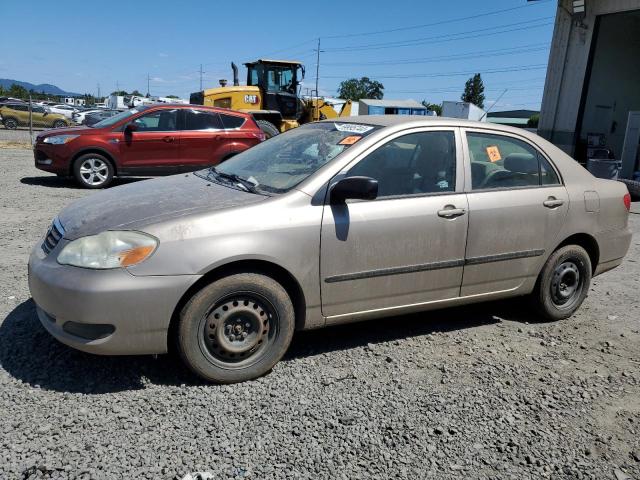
[505, 162]
[418, 163]
[202, 120]
[19, 108]
[231, 121]
[157, 121]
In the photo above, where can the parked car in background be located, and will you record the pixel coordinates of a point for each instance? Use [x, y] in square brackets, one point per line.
[94, 117]
[66, 110]
[14, 115]
[332, 222]
[80, 115]
[148, 140]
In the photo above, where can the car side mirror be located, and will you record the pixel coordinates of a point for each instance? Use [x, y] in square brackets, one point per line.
[358, 188]
[130, 128]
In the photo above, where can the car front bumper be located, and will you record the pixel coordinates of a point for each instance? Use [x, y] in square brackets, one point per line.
[107, 312]
[52, 158]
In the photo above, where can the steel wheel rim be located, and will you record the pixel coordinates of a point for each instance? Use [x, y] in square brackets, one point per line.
[566, 284]
[238, 330]
[94, 171]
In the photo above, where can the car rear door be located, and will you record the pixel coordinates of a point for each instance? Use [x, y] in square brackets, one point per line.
[407, 246]
[154, 147]
[517, 205]
[202, 139]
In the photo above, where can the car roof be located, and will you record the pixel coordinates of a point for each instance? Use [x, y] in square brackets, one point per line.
[191, 105]
[426, 121]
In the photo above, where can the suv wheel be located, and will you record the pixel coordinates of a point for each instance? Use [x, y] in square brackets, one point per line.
[268, 128]
[236, 328]
[92, 170]
[59, 124]
[563, 283]
[10, 123]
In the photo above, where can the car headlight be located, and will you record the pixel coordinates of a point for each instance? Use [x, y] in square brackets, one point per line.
[111, 249]
[60, 139]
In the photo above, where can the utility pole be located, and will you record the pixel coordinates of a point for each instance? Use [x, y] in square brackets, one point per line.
[148, 95]
[316, 109]
[98, 97]
[201, 72]
[117, 86]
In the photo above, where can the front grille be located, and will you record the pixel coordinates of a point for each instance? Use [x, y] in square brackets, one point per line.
[54, 235]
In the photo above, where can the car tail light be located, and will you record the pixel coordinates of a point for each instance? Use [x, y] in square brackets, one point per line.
[627, 201]
[259, 135]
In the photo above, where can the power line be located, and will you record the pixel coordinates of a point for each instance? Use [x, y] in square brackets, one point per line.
[433, 24]
[519, 68]
[461, 56]
[440, 39]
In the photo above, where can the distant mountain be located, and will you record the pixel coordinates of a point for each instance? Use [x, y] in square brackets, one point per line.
[43, 87]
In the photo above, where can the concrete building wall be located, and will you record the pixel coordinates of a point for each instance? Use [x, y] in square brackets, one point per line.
[567, 69]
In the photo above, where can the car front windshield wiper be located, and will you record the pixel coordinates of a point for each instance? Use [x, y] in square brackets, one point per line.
[247, 184]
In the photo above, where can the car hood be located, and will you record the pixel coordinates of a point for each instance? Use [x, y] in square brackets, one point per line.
[50, 132]
[133, 206]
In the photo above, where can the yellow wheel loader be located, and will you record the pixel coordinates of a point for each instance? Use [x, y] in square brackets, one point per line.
[272, 96]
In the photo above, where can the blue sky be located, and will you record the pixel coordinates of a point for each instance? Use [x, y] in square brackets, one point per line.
[417, 49]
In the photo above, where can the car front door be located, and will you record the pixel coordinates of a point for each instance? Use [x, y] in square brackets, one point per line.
[202, 140]
[153, 147]
[406, 247]
[517, 204]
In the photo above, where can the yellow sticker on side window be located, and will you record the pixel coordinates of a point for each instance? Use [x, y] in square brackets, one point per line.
[493, 152]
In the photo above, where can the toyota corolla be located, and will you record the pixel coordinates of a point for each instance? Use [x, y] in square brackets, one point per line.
[328, 223]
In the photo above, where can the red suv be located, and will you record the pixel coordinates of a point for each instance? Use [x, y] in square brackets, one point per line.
[147, 140]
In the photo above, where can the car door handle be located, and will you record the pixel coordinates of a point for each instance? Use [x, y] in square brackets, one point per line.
[552, 202]
[168, 139]
[451, 212]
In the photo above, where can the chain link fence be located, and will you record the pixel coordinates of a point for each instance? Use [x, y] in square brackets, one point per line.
[22, 120]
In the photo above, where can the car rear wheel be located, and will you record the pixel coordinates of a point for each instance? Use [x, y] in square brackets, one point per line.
[236, 328]
[268, 128]
[59, 124]
[10, 123]
[93, 171]
[563, 283]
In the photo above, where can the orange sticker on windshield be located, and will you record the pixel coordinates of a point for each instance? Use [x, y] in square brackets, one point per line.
[350, 140]
[493, 153]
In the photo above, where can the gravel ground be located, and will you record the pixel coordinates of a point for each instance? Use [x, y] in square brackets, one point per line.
[482, 392]
[20, 135]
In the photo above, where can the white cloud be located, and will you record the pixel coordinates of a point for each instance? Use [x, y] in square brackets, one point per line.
[163, 55]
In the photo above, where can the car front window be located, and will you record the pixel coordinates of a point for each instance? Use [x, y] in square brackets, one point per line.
[282, 162]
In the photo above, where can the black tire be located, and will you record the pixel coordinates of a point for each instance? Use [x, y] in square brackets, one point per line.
[563, 283]
[268, 128]
[10, 123]
[93, 170]
[59, 124]
[633, 186]
[236, 328]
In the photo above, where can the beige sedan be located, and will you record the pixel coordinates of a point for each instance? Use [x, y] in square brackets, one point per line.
[332, 222]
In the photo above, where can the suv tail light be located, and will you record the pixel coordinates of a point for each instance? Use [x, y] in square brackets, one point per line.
[627, 201]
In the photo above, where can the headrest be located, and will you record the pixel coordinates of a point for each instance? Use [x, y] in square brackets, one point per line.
[521, 163]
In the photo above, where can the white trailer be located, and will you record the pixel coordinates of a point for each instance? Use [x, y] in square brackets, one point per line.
[465, 110]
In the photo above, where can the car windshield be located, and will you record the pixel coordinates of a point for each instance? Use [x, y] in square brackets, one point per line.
[282, 162]
[107, 122]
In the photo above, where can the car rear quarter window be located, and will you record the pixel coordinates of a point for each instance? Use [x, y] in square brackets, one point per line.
[499, 161]
[202, 120]
[231, 121]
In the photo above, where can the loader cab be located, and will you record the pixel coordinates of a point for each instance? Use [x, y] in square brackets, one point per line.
[278, 80]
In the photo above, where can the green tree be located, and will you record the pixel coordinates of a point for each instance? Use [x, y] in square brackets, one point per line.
[533, 121]
[355, 89]
[434, 107]
[474, 91]
[18, 91]
[172, 96]
[2, 91]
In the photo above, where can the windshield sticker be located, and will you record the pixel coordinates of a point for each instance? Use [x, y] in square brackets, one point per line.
[350, 140]
[493, 152]
[352, 127]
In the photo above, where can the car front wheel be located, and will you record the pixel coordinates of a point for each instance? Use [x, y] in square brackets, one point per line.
[563, 283]
[59, 124]
[93, 171]
[10, 123]
[236, 328]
